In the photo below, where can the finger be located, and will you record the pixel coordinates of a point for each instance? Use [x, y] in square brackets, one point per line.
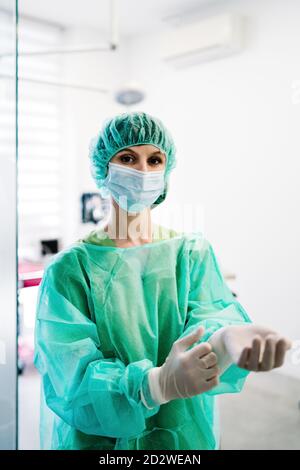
[287, 341]
[210, 360]
[281, 348]
[212, 372]
[213, 382]
[198, 351]
[209, 384]
[183, 343]
[288, 344]
[244, 358]
[253, 363]
[269, 354]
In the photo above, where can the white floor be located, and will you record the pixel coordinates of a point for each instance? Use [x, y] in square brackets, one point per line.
[265, 415]
[29, 409]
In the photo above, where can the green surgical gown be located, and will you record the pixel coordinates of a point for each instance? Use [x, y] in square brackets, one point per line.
[105, 315]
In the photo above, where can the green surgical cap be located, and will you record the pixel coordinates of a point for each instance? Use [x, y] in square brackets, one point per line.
[128, 130]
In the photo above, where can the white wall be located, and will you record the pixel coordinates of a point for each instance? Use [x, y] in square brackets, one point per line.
[83, 115]
[235, 122]
[236, 126]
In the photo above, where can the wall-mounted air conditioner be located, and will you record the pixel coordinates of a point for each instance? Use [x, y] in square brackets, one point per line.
[204, 40]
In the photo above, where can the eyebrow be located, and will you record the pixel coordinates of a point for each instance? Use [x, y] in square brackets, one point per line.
[130, 150]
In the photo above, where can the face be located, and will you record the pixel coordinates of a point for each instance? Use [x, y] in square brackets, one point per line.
[141, 157]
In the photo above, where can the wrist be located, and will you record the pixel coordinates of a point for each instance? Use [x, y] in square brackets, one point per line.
[218, 346]
[151, 395]
[154, 386]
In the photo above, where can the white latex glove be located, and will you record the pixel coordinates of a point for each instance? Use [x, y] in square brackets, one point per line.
[251, 347]
[185, 373]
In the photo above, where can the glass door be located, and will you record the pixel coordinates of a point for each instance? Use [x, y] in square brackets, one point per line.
[8, 230]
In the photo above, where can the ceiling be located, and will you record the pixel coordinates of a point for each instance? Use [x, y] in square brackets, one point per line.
[135, 16]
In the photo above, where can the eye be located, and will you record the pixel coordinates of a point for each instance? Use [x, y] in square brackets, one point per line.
[126, 158]
[155, 161]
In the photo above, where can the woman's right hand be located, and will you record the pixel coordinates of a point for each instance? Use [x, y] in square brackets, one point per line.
[185, 373]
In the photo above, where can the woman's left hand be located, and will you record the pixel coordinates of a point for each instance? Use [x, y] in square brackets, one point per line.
[254, 347]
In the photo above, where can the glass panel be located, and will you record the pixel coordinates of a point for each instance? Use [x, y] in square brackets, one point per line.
[8, 297]
[229, 91]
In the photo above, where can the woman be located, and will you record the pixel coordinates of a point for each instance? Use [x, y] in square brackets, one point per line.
[137, 331]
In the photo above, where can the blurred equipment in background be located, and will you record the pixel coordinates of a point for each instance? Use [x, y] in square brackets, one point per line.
[30, 274]
[92, 210]
[129, 94]
[49, 247]
[202, 41]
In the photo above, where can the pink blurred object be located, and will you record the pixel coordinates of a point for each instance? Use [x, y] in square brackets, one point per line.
[30, 273]
[26, 349]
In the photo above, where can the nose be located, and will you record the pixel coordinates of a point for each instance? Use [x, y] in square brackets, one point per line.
[142, 165]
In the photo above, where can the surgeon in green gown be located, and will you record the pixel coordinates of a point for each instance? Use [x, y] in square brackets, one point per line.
[119, 311]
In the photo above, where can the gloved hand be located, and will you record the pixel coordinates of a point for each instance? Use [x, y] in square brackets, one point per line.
[251, 347]
[185, 373]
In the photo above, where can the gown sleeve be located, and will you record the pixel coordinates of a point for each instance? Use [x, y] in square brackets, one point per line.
[212, 304]
[94, 394]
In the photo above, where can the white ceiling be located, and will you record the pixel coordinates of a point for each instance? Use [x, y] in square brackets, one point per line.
[135, 16]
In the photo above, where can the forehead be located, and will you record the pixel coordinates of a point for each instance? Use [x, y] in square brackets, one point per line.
[142, 149]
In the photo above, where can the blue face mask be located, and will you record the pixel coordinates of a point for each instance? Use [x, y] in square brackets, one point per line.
[133, 190]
